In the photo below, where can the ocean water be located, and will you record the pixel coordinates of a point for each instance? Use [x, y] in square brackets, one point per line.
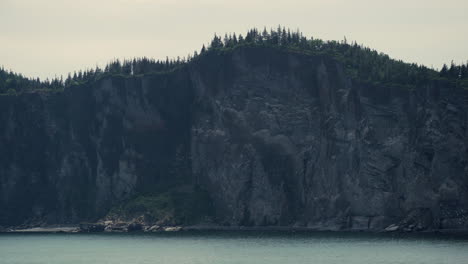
[232, 247]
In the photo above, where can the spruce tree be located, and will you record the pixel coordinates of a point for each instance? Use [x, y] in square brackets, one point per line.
[216, 43]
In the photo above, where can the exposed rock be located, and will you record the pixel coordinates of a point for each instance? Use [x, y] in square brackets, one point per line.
[117, 227]
[62, 229]
[455, 223]
[275, 138]
[379, 222]
[172, 228]
[392, 228]
[418, 220]
[153, 228]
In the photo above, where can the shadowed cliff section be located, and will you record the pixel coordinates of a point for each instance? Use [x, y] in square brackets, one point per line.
[68, 156]
[273, 137]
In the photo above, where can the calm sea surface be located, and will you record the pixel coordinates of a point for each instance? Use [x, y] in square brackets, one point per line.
[232, 247]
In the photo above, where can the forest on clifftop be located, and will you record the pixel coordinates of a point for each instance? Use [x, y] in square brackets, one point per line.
[362, 63]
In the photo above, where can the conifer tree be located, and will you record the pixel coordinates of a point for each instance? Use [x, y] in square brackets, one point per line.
[226, 40]
[216, 43]
[265, 35]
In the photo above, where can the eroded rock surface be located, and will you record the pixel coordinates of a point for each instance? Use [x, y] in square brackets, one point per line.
[275, 138]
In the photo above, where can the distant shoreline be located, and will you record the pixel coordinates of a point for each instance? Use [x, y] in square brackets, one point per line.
[76, 229]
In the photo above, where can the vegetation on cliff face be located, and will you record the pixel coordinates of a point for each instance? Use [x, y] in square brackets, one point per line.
[270, 128]
[182, 205]
[362, 63]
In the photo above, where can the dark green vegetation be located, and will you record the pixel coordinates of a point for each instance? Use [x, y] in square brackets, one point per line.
[183, 205]
[270, 129]
[361, 62]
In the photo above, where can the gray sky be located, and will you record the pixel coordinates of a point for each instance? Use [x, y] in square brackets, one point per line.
[44, 38]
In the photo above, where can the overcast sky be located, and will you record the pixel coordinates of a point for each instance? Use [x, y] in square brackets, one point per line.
[44, 38]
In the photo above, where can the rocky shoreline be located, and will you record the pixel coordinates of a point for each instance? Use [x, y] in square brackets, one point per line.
[251, 137]
[109, 226]
[419, 221]
[123, 227]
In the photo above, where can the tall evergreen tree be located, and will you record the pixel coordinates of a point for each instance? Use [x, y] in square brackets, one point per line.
[216, 43]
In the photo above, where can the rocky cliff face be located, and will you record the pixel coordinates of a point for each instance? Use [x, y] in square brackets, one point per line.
[67, 157]
[275, 138]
